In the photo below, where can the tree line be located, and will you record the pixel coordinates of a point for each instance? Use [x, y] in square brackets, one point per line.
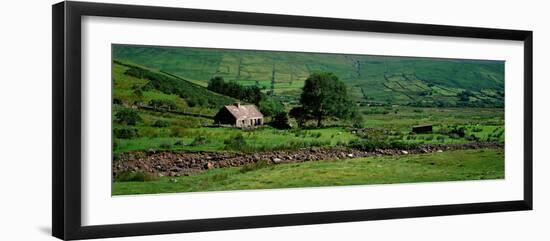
[251, 94]
[324, 95]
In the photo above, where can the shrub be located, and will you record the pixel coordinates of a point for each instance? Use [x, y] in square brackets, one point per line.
[199, 140]
[294, 145]
[300, 115]
[219, 177]
[402, 145]
[254, 166]
[477, 129]
[465, 95]
[500, 133]
[176, 131]
[457, 132]
[440, 138]
[472, 138]
[116, 157]
[165, 145]
[357, 120]
[191, 102]
[280, 121]
[371, 145]
[126, 133]
[117, 101]
[127, 116]
[429, 138]
[161, 123]
[179, 143]
[454, 136]
[236, 142]
[135, 176]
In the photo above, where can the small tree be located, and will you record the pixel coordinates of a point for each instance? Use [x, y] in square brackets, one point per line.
[126, 133]
[324, 95]
[161, 123]
[280, 121]
[137, 94]
[464, 96]
[357, 120]
[271, 107]
[298, 114]
[127, 116]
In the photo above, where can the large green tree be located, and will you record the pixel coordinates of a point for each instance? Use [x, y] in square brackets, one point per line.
[324, 95]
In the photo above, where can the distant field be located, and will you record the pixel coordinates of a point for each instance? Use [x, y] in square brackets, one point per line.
[447, 166]
[397, 80]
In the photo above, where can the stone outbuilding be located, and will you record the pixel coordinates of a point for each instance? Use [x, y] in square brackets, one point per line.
[426, 128]
[239, 115]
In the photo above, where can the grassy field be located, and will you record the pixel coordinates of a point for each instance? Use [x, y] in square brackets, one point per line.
[447, 166]
[262, 139]
[161, 103]
[396, 122]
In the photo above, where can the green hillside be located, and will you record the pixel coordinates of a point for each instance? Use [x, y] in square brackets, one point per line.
[371, 79]
[133, 83]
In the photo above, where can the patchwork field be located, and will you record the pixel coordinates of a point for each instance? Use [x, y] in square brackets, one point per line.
[371, 79]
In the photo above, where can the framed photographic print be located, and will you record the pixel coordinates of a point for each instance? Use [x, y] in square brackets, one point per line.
[169, 120]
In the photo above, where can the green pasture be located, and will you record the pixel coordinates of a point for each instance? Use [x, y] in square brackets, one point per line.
[261, 139]
[436, 167]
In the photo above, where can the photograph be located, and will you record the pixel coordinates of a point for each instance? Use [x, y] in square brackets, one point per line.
[189, 119]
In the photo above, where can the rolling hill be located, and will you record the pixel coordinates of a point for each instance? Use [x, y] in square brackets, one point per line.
[370, 79]
[134, 83]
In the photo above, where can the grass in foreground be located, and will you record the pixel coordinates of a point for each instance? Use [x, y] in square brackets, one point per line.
[446, 166]
[261, 139]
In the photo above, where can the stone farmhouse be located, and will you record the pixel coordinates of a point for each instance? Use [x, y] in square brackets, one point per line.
[243, 116]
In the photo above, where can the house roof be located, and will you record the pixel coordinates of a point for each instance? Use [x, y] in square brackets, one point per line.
[244, 111]
[422, 125]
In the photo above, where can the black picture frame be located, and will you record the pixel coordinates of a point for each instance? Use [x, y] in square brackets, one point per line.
[66, 47]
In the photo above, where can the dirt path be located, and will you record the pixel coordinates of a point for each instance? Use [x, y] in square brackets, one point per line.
[187, 163]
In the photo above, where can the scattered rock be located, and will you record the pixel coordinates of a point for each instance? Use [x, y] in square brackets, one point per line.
[172, 163]
[209, 165]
